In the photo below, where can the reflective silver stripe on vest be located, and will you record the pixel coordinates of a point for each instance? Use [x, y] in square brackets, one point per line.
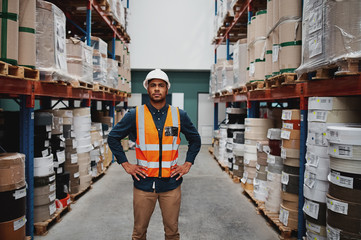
[156, 164]
[175, 121]
[141, 127]
[155, 147]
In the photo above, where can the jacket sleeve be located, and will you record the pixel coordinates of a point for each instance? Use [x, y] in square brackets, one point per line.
[192, 136]
[120, 131]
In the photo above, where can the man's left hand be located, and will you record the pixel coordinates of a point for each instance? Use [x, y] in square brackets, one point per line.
[181, 170]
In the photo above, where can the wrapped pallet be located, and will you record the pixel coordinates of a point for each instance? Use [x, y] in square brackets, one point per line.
[27, 39]
[50, 38]
[79, 60]
[9, 31]
[112, 73]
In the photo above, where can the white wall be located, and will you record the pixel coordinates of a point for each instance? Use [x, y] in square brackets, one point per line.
[171, 34]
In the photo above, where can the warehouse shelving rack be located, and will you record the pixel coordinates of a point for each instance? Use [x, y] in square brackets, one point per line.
[25, 91]
[298, 92]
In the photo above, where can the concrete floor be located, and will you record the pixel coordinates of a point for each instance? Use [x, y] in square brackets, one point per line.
[213, 208]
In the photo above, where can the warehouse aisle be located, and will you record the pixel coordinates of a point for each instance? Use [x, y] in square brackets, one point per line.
[213, 208]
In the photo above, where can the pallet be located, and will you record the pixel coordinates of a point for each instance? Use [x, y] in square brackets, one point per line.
[57, 82]
[77, 195]
[272, 218]
[239, 90]
[349, 66]
[81, 84]
[9, 70]
[280, 80]
[41, 228]
[100, 88]
[324, 72]
[226, 93]
[257, 85]
[99, 175]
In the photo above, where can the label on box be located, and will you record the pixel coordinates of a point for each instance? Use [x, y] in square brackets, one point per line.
[245, 175]
[76, 175]
[287, 125]
[48, 128]
[337, 206]
[339, 180]
[310, 179]
[68, 201]
[52, 197]
[284, 216]
[52, 208]
[315, 22]
[252, 69]
[341, 150]
[266, 149]
[315, 44]
[52, 178]
[270, 176]
[62, 144]
[271, 159]
[45, 153]
[19, 223]
[62, 138]
[333, 233]
[285, 134]
[283, 153]
[285, 178]
[286, 115]
[46, 143]
[243, 180]
[61, 157]
[311, 209]
[19, 193]
[59, 170]
[246, 161]
[235, 167]
[74, 158]
[229, 164]
[72, 134]
[313, 227]
[275, 50]
[52, 187]
[96, 144]
[258, 166]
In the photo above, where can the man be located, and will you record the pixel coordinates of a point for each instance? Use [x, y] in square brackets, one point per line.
[157, 176]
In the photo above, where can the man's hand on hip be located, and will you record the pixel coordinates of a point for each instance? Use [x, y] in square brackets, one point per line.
[181, 170]
[134, 170]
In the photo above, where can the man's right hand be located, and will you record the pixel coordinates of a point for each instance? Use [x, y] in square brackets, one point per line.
[134, 170]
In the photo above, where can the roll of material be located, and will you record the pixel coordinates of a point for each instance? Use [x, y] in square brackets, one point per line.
[85, 181]
[247, 186]
[350, 195]
[43, 181]
[291, 170]
[40, 200]
[318, 162]
[291, 114]
[249, 172]
[12, 204]
[351, 152]
[261, 176]
[293, 162]
[349, 135]
[275, 168]
[44, 170]
[73, 171]
[256, 132]
[43, 119]
[290, 31]
[12, 171]
[238, 137]
[232, 128]
[44, 212]
[262, 146]
[315, 210]
[68, 121]
[344, 165]
[262, 161]
[335, 116]
[290, 134]
[334, 233]
[13, 229]
[84, 149]
[274, 134]
[315, 228]
[290, 200]
[238, 149]
[27, 42]
[314, 194]
[346, 180]
[81, 112]
[289, 153]
[250, 159]
[293, 144]
[236, 111]
[258, 122]
[83, 141]
[84, 169]
[45, 190]
[291, 8]
[312, 236]
[291, 124]
[343, 207]
[43, 161]
[272, 159]
[252, 149]
[62, 185]
[290, 205]
[333, 103]
[321, 173]
[343, 222]
[84, 157]
[250, 142]
[82, 120]
[275, 147]
[81, 134]
[57, 125]
[288, 217]
[290, 183]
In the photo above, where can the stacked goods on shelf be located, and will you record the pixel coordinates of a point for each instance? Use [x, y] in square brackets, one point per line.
[61, 131]
[112, 76]
[9, 31]
[123, 57]
[12, 196]
[256, 130]
[326, 35]
[99, 60]
[256, 46]
[240, 63]
[274, 33]
[82, 126]
[117, 10]
[213, 81]
[97, 154]
[222, 137]
[79, 60]
[50, 41]
[260, 182]
[344, 198]
[238, 153]
[269, 40]
[274, 171]
[290, 175]
[224, 75]
[27, 39]
[44, 175]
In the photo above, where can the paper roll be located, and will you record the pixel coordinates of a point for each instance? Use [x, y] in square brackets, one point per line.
[43, 171]
[81, 112]
[335, 116]
[293, 162]
[344, 134]
[314, 194]
[333, 103]
[293, 144]
[43, 161]
[344, 165]
[14, 229]
[290, 153]
[12, 171]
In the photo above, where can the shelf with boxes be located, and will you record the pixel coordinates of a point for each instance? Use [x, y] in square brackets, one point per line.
[44, 57]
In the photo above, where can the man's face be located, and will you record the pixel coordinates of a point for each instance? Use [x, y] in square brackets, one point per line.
[157, 90]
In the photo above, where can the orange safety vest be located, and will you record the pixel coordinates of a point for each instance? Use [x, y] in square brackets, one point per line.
[157, 155]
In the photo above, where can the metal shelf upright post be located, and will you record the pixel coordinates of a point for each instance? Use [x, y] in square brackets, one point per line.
[27, 103]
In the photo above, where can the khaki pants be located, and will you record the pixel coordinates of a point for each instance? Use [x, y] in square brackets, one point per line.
[144, 204]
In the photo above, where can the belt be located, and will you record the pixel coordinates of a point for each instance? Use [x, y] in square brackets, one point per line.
[290, 153]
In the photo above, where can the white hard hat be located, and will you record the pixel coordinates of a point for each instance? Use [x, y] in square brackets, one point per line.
[158, 74]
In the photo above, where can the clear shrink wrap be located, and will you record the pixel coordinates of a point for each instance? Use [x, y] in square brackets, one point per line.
[50, 40]
[112, 73]
[240, 63]
[99, 68]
